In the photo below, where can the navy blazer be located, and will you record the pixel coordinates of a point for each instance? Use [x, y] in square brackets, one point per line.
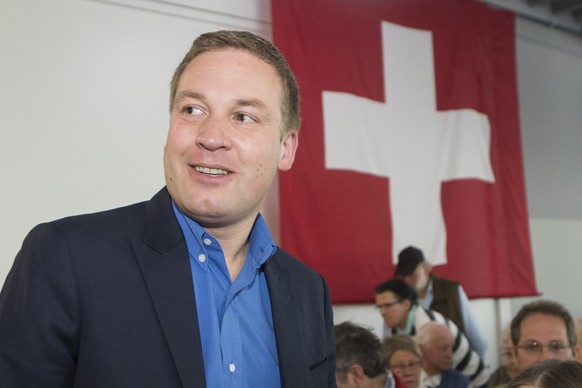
[106, 300]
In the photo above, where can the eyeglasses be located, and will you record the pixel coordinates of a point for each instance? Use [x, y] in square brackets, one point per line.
[386, 305]
[411, 364]
[554, 347]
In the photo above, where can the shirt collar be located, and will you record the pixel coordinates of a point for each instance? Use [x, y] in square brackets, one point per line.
[261, 244]
[427, 380]
[410, 319]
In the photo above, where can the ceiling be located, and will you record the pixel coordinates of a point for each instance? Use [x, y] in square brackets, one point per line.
[561, 14]
[574, 7]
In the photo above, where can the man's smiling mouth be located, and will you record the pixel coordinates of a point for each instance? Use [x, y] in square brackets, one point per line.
[210, 171]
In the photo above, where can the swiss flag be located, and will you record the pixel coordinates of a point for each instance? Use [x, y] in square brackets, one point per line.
[410, 136]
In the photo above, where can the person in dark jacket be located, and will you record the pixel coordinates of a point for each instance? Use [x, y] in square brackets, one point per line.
[360, 362]
[187, 290]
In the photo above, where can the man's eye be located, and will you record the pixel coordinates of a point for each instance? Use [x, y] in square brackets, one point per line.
[244, 118]
[556, 346]
[192, 110]
[532, 346]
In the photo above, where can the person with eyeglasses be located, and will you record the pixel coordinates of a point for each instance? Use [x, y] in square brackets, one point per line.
[543, 330]
[508, 368]
[436, 346]
[398, 306]
[403, 358]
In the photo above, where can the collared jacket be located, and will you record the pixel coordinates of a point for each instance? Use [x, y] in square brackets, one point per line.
[107, 300]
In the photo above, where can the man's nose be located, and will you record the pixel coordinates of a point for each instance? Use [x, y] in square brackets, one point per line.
[213, 133]
[545, 354]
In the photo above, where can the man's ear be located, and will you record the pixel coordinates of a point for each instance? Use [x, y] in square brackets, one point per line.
[356, 372]
[288, 150]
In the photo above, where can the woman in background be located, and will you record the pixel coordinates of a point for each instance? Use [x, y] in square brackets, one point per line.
[403, 358]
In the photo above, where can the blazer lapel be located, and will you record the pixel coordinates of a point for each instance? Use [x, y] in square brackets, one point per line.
[164, 262]
[287, 323]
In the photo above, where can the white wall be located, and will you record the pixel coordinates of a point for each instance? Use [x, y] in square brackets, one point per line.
[550, 86]
[83, 116]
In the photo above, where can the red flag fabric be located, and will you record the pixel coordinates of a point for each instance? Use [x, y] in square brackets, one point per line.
[410, 136]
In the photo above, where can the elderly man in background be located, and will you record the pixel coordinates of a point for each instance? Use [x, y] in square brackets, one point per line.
[436, 345]
[440, 294]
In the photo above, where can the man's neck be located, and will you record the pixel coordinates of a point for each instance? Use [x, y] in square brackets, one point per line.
[380, 381]
[430, 370]
[235, 260]
[234, 242]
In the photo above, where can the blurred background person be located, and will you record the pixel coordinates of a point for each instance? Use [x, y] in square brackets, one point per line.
[436, 346]
[359, 362]
[578, 325]
[439, 294]
[508, 368]
[541, 330]
[396, 302]
[551, 373]
[403, 358]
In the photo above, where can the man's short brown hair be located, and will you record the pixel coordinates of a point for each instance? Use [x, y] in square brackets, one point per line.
[260, 47]
[545, 307]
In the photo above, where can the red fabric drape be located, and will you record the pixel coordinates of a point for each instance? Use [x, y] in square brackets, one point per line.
[339, 222]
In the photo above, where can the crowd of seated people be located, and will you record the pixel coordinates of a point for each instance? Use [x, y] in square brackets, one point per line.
[422, 348]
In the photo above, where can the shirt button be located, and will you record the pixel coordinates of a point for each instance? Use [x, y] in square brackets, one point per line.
[201, 258]
[231, 367]
[207, 241]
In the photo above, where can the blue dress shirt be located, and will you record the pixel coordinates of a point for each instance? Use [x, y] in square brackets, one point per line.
[236, 323]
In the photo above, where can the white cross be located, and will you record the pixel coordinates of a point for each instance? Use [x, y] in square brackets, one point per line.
[406, 139]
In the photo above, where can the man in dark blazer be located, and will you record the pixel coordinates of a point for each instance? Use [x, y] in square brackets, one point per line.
[128, 297]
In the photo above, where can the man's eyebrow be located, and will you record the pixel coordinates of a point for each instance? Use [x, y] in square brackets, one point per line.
[252, 102]
[185, 94]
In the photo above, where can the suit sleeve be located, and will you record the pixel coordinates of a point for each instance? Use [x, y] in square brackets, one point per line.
[331, 346]
[39, 314]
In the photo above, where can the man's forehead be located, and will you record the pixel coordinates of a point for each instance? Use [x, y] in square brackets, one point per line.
[403, 354]
[386, 295]
[542, 325]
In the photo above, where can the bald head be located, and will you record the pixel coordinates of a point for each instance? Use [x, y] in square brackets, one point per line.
[431, 330]
[436, 345]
